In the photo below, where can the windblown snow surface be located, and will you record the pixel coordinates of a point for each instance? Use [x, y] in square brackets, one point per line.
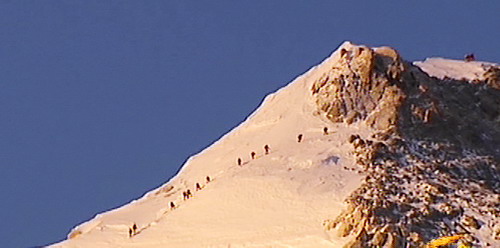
[454, 69]
[276, 200]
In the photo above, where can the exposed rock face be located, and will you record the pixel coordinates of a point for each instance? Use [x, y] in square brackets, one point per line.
[492, 77]
[433, 167]
[364, 88]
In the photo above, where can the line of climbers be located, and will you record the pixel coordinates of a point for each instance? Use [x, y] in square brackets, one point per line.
[132, 230]
[187, 194]
[267, 149]
[253, 155]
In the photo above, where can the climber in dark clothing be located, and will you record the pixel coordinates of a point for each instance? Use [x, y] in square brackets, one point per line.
[266, 148]
[299, 138]
[129, 232]
[208, 179]
[188, 193]
[172, 205]
[185, 195]
[325, 131]
[469, 57]
[134, 229]
[239, 161]
[252, 155]
[198, 187]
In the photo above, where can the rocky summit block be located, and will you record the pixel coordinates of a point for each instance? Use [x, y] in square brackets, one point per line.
[432, 167]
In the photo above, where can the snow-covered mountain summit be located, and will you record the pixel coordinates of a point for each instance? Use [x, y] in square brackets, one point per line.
[363, 152]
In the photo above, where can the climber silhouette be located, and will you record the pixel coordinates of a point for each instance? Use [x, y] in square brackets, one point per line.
[252, 155]
[469, 57]
[299, 138]
[239, 161]
[134, 229]
[325, 131]
[266, 148]
[198, 187]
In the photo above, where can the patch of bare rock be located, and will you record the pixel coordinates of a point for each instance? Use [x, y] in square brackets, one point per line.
[432, 168]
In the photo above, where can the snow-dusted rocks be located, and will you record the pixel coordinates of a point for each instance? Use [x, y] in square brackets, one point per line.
[410, 153]
[425, 128]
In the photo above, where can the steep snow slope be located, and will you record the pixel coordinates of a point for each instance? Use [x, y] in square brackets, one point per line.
[277, 200]
[396, 141]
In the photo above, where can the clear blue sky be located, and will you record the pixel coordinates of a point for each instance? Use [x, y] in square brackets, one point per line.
[101, 101]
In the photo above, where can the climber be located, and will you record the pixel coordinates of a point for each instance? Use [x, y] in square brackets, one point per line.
[134, 229]
[325, 130]
[208, 179]
[239, 161]
[198, 187]
[266, 148]
[252, 155]
[172, 205]
[188, 193]
[299, 138]
[129, 232]
[469, 57]
[185, 195]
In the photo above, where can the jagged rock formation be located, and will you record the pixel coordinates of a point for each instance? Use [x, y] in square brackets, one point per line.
[432, 169]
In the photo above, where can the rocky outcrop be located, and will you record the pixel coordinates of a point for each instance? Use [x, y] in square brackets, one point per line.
[376, 86]
[363, 87]
[432, 168]
[492, 76]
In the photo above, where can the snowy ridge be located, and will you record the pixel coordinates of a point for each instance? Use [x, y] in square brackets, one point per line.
[454, 69]
[277, 200]
[290, 196]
